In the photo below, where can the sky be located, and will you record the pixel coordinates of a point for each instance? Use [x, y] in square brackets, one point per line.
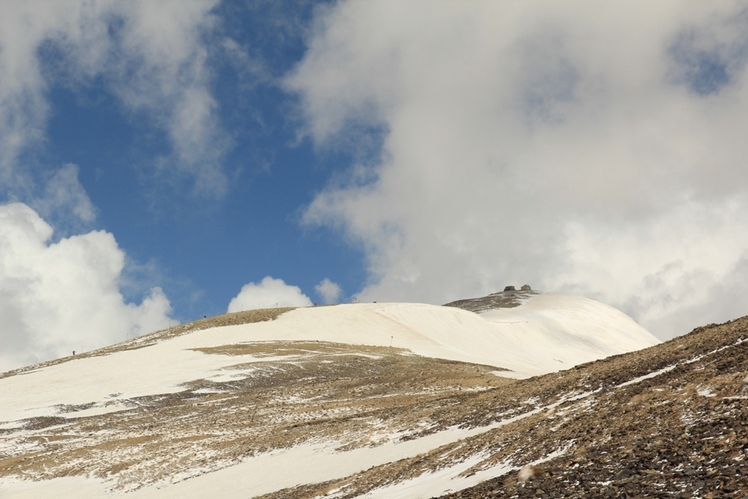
[165, 161]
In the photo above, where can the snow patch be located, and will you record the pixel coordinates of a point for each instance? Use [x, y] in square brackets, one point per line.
[647, 376]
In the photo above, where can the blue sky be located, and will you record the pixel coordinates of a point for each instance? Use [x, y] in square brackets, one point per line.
[206, 246]
[161, 161]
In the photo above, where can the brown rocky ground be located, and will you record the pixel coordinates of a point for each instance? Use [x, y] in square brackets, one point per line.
[682, 433]
[502, 299]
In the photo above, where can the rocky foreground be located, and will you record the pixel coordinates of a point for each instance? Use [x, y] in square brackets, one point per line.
[670, 421]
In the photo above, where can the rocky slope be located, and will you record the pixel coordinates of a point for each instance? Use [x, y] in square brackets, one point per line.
[509, 298]
[669, 421]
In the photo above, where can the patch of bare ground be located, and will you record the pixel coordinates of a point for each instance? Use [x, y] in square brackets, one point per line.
[502, 299]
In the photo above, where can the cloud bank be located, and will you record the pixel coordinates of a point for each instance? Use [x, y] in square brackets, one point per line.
[268, 293]
[64, 296]
[582, 147]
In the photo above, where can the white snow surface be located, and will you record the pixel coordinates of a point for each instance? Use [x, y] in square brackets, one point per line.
[547, 333]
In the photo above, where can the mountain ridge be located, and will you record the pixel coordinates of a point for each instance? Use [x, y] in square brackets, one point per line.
[356, 420]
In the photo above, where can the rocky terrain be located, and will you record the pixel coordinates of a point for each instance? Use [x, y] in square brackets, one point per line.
[670, 421]
[508, 298]
[332, 419]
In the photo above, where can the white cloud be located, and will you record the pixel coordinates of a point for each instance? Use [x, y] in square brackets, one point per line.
[65, 296]
[577, 147]
[63, 200]
[150, 54]
[328, 290]
[268, 293]
[166, 74]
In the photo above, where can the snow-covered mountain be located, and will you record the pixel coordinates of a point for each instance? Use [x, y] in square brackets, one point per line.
[370, 400]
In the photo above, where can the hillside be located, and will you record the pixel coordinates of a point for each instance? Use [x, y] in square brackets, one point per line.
[668, 421]
[379, 400]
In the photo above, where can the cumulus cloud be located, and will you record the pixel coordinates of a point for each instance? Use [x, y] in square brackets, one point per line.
[65, 296]
[151, 55]
[268, 293]
[583, 147]
[328, 290]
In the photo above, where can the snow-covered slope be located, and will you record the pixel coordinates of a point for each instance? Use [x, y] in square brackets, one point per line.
[548, 332]
[545, 333]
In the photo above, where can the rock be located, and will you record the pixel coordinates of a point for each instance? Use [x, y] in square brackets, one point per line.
[528, 472]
